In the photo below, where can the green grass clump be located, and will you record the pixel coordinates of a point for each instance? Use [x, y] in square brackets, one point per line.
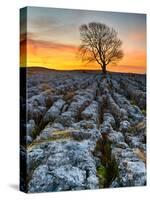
[56, 135]
[108, 170]
[34, 133]
[101, 173]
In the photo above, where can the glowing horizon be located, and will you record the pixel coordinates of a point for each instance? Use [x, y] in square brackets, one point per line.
[53, 38]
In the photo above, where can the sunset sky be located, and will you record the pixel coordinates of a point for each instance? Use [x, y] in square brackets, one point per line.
[53, 38]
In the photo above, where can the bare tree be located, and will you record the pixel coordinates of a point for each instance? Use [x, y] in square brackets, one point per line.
[100, 43]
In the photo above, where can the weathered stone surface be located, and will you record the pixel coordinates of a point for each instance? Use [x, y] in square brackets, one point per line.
[132, 171]
[69, 165]
[109, 119]
[114, 108]
[30, 127]
[34, 158]
[66, 118]
[124, 126]
[91, 112]
[41, 180]
[78, 122]
[54, 111]
[115, 137]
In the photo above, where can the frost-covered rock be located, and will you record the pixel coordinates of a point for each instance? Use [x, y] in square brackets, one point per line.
[69, 165]
[91, 112]
[30, 127]
[124, 126]
[103, 120]
[132, 171]
[54, 111]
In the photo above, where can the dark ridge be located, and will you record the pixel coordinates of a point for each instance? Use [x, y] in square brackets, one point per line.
[44, 69]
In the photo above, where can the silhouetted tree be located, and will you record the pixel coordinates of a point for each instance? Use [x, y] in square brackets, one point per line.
[100, 43]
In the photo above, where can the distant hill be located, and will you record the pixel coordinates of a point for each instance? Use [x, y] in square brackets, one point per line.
[35, 69]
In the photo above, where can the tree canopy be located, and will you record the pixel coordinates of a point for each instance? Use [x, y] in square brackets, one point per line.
[100, 43]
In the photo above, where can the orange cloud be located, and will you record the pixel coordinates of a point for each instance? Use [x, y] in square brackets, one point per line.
[49, 54]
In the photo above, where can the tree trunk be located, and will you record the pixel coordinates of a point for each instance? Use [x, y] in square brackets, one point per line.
[104, 68]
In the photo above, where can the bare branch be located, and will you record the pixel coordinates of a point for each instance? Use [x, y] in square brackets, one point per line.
[99, 43]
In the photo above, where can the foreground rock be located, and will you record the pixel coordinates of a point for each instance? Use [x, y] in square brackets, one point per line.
[85, 131]
[66, 165]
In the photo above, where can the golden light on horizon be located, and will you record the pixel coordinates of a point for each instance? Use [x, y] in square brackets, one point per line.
[64, 57]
